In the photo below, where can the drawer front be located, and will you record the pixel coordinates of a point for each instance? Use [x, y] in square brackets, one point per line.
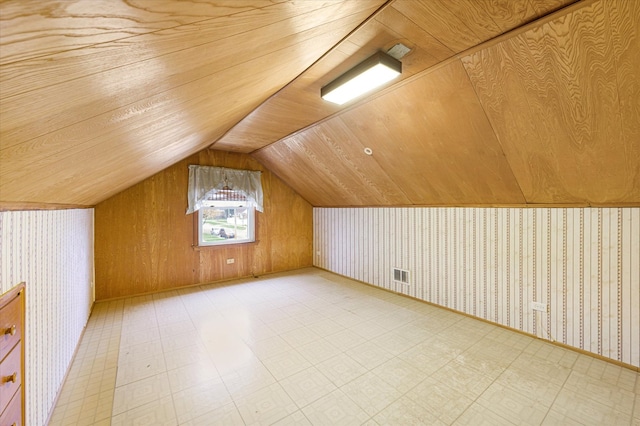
[10, 326]
[10, 376]
[13, 414]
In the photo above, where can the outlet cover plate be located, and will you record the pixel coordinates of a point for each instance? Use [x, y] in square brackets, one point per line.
[539, 306]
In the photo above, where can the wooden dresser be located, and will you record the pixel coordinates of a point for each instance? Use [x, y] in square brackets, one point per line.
[12, 357]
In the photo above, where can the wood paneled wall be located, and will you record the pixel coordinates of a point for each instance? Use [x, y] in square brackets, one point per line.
[144, 238]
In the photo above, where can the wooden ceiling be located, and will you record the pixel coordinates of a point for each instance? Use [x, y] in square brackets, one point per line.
[96, 95]
[501, 102]
[546, 115]
[435, 30]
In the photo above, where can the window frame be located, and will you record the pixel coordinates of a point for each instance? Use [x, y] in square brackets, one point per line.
[252, 225]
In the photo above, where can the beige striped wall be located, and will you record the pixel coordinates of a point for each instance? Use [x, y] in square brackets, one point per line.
[493, 262]
[52, 251]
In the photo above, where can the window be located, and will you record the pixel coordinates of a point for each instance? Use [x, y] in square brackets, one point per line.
[226, 201]
[225, 222]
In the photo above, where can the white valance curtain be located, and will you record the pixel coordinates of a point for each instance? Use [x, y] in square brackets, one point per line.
[204, 179]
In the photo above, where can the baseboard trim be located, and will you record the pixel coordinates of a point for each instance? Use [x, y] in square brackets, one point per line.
[553, 342]
[66, 373]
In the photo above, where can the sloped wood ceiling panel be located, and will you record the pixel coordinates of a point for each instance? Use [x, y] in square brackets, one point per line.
[431, 143]
[564, 101]
[97, 95]
[435, 30]
[548, 116]
[335, 169]
[33, 29]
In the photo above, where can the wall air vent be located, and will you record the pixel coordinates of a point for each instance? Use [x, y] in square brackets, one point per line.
[401, 276]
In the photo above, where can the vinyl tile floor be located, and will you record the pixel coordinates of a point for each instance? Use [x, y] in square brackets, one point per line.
[309, 347]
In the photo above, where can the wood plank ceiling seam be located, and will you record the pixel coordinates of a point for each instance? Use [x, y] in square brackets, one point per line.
[115, 103]
[13, 10]
[299, 101]
[105, 66]
[573, 32]
[577, 4]
[304, 72]
[498, 139]
[81, 162]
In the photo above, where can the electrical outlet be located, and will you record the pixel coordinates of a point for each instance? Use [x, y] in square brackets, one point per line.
[539, 306]
[230, 261]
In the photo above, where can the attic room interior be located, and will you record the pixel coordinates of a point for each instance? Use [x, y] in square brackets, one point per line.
[458, 246]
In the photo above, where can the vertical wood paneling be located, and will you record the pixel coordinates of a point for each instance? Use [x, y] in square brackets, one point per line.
[492, 263]
[52, 251]
[144, 239]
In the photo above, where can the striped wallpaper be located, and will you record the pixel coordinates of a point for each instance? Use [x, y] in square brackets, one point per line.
[52, 251]
[493, 263]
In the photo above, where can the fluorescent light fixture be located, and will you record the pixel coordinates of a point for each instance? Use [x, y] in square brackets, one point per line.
[370, 74]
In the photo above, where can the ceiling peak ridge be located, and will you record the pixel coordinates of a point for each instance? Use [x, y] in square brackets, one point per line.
[386, 4]
[542, 20]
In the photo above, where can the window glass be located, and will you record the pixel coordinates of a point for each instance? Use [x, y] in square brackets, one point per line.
[226, 222]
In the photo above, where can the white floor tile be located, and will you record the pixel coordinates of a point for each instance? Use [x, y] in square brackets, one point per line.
[311, 347]
[191, 375]
[369, 355]
[159, 412]
[286, 364]
[405, 411]
[341, 369]
[198, 400]
[399, 374]
[136, 394]
[307, 386]
[371, 393]
[335, 409]
[296, 419]
[266, 406]
[441, 400]
[248, 379]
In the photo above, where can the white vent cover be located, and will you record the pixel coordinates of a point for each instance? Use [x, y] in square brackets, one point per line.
[401, 275]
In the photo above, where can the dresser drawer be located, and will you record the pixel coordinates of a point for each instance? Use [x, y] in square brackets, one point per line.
[10, 326]
[12, 415]
[10, 376]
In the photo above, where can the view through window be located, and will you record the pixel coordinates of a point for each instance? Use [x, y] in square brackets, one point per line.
[226, 222]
